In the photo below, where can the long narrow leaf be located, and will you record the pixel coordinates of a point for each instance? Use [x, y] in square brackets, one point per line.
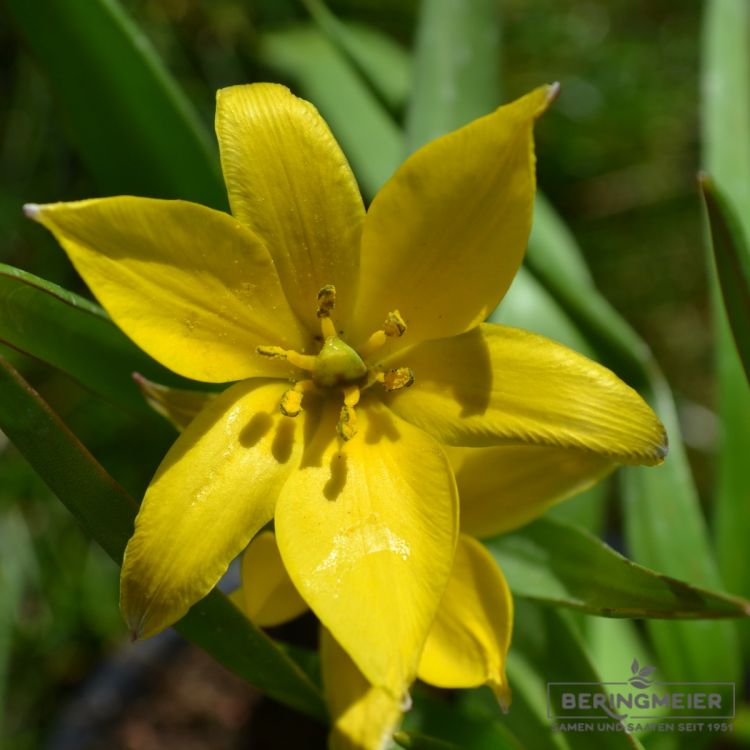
[130, 122]
[106, 512]
[555, 259]
[456, 67]
[381, 61]
[559, 564]
[74, 335]
[552, 647]
[726, 157]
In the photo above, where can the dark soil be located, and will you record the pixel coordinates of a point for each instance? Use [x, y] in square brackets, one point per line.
[166, 694]
[193, 703]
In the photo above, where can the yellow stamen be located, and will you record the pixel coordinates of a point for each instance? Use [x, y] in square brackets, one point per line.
[347, 424]
[372, 344]
[326, 300]
[303, 361]
[351, 395]
[326, 303]
[393, 327]
[291, 401]
[395, 380]
[328, 328]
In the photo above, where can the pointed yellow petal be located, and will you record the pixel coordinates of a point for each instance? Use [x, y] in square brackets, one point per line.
[290, 182]
[191, 286]
[363, 717]
[446, 234]
[469, 640]
[269, 596]
[366, 529]
[507, 486]
[497, 385]
[214, 490]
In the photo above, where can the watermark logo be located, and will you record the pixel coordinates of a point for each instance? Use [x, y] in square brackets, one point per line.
[640, 677]
[641, 703]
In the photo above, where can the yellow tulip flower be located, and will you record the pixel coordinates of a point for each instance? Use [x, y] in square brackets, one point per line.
[357, 341]
[466, 647]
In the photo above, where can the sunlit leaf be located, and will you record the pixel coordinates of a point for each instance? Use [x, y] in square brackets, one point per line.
[557, 563]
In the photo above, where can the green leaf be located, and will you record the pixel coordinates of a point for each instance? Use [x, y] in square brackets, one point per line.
[551, 646]
[726, 157]
[732, 260]
[381, 61]
[665, 530]
[366, 132]
[527, 718]
[456, 68]
[107, 512]
[556, 563]
[131, 123]
[76, 336]
[554, 258]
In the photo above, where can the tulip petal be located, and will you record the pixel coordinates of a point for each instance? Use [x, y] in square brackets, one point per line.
[507, 486]
[268, 594]
[363, 717]
[190, 285]
[366, 529]
[469, 640]
[290, 182]
[497, 385]
[445, 236]
[215, 489]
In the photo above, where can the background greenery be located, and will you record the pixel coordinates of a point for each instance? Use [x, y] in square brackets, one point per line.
[618, 155]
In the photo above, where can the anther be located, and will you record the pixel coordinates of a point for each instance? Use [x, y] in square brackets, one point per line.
[326, 303]
[347, 424]
[291, 401]
[326, 300]
[272, 352]
[393, 327]
[395, 380]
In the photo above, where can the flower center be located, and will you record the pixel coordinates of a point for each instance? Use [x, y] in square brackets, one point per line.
[338, 365]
